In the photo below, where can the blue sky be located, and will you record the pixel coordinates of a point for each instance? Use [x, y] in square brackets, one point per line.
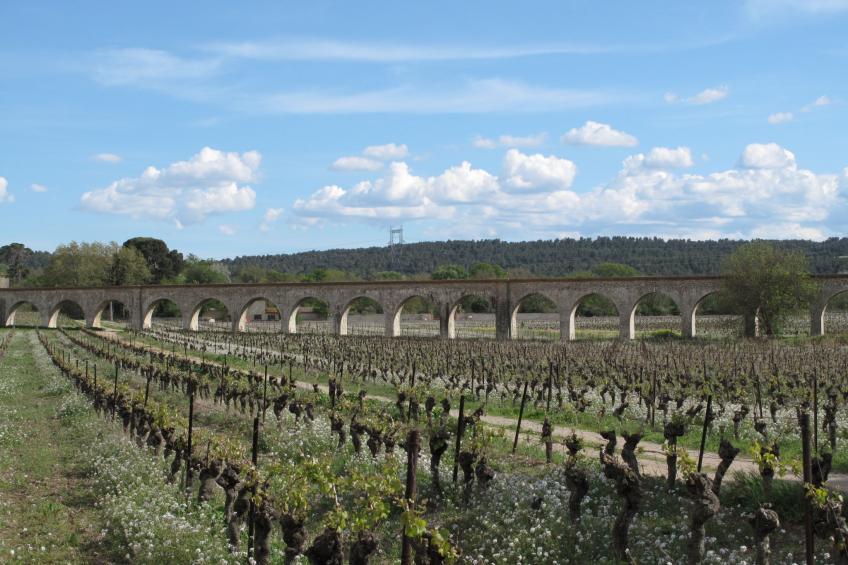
[263, 127]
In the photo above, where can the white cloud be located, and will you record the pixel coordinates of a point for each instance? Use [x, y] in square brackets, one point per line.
[271, 216]
[387, 152]
[227, 230]
[472, 97]
[507, 140]
[374, 155]
[767, 156]
[312, 49]
[767, 194]
[595, 133]
[211, 182]
[5, 196]
[668, 158]
[523, 140]
[709, 95]
[484, 143]
[706, 96]
[35, 187]
[148, 68]
[781, 117]
[355, 163]
[537, 172]
[817, 103]
[107, 158]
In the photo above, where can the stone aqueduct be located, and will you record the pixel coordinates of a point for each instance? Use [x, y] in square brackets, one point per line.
[506, 296]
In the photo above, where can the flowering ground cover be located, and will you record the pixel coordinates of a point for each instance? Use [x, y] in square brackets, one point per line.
[119, 501]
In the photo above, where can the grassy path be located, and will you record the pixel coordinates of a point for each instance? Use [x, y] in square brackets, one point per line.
[47, 512]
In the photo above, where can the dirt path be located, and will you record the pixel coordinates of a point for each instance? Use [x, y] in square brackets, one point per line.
[650, 455]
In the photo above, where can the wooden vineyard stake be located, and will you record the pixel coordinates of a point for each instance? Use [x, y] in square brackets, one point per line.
[707, 418]
[809, 540]
[520, 416]
[251, 515]
[411, 469]
[816, 411]
[265, 394]
[115, 393]
[460, 429]
[188, 476]
[147, 386]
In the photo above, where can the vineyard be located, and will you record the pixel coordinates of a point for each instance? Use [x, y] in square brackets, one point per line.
[214, 447]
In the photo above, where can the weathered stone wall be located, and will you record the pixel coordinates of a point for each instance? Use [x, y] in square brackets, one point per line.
[505, 296]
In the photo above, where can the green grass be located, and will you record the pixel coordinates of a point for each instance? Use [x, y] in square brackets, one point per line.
[46, 510]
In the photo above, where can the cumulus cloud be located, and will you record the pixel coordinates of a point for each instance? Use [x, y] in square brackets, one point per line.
[537, 172]
[595, 133]
[107, 158]
[767, 156]
[226, 229]
[662, 158]
[387, 152]
[372, 159]
[5, 196]
[271, 216]
[355, 163]
[766, 193]
[35, 187]
[185, 192]
[781, 117]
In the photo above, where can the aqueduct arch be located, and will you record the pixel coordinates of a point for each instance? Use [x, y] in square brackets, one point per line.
[540, 301]
[168, 304]
[63, 306]
[24, 306]
[241, 321]
[603, 300]
[341, 323]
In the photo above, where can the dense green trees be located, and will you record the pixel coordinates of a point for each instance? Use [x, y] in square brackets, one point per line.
[162, 262]
[17, 261]
[94, 264]
[197, 271]
[765, 284]
[128, 266]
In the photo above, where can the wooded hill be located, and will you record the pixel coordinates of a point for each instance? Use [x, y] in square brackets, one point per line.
[546, 258]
